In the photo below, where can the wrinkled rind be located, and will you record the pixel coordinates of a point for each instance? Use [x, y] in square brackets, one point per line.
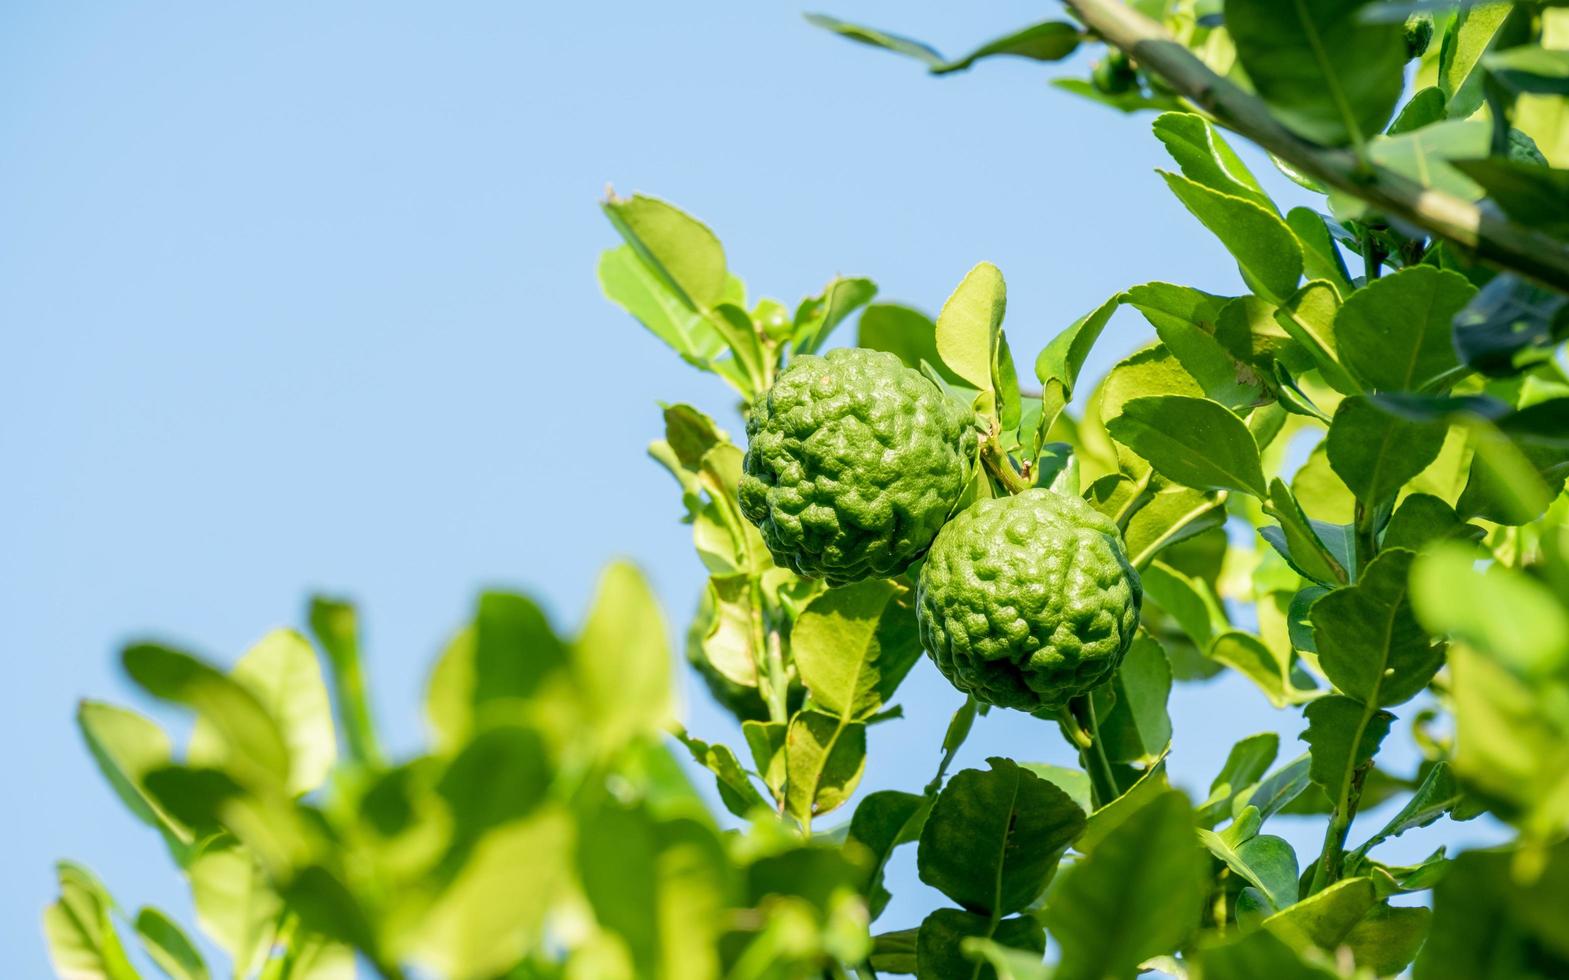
[1027, 601]
[853, 463]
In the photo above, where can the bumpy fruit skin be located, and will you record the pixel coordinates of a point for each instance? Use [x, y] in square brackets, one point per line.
[853, 463]
[1027, 601]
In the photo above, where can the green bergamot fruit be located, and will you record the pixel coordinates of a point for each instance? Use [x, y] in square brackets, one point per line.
[853, 463]
[1027, 601]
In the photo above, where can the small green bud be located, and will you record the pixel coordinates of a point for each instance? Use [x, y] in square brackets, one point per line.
[1113, 75]
[1419, 34]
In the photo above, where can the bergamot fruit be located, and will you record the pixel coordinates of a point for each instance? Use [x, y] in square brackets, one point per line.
[1027, 601]
[853, 463]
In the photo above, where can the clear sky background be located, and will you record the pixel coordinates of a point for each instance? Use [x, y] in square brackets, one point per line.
[301, 296]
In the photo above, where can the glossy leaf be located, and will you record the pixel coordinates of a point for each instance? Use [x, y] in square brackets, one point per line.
[1343, 736]
[994, 837]
[1394, 333]
[824, 759]
[854, 644]
[883, 821]
[1193, 441]
[969, 324]
[940, 947]
[1266, 251]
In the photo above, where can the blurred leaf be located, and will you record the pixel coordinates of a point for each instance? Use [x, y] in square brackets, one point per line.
[282, 672]
[994, 837]
[1321, 260]
[167, 945]
[253, 746]
[1510, 325]
[335, 624]
[1266, 251]
[1254, 954]
[1468, 39]
[1368, 640]
[824, 758]
[1008, 960]
[127, 747]
[1425, 156]
[1535, 196]
[944, 933]
[1324, 920]
[621, 659]
[79, 929]
[1137, 894]
[235, 905]
[854, 644]
[1328, 76]
[515, 651]
[1501, 611]
[1530, 68]
[1193, 441]
[1394, 333]
[969, 324]
[662, 886]
[1423, 519]
[1494, 920]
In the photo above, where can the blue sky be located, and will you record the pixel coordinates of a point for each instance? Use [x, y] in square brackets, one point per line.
[301, 296]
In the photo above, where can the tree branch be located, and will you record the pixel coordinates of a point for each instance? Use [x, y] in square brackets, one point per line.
[1492, 238]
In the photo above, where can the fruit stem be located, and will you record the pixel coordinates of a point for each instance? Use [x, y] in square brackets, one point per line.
[1001, 467]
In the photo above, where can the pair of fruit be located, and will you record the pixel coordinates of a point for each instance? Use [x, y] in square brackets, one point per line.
[854, 466]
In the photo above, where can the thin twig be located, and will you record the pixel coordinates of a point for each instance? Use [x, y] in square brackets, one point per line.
[1493, 238]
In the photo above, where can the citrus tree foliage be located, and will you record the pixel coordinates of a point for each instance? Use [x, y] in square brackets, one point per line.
[1343, 481]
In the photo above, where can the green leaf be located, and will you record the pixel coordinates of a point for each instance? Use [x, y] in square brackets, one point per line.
[1425, 156]
[679, 250]
[1049, 41]
[736, 791]
[1134, 725]
[1189, 600]
[1503, 612]
[883, 821]
[1376, 453]
[1005, 384]
[1309, 315]
[1368, 640]
[994, 838]
[1394, 333]
[1276, 791]
[621, 660]
[854, 644]
[1258, 953]
[1267, 863]
[944, 933]
[284, 675]
[1173, 515]
[1136, 895]
[1437, 795]
[1321, 259]
[1342, 736]
[127, 747]
[1266, 251]
[1059, 363]
[515, 652]
[1206, 158]
[1009, 962]
[629, 283]
[1468, 39]
[1299, 541]
[1328, 76]
[766, 742]
[1423, 519]
[253, 746]
[235, 905]
[969, 324]
[817, 316]
[894, 952]
[909, 334]
[1245, 765]
[1193, 441]
[1271, 670]
[1074, 782]
[824, 758]
[1324, 920]
[168, 946]
[79, 929]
